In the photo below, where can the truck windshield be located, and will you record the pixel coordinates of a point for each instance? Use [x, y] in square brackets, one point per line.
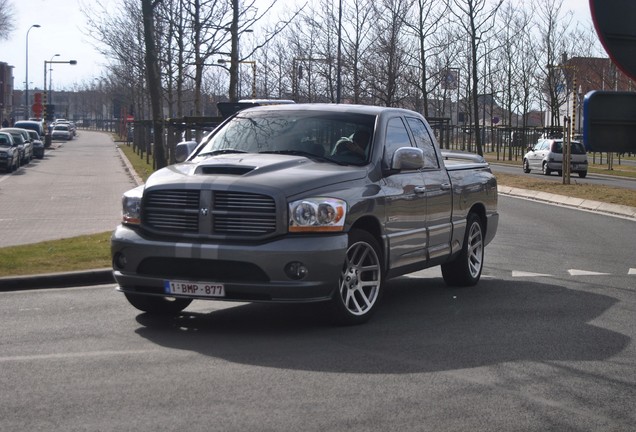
[341, 137]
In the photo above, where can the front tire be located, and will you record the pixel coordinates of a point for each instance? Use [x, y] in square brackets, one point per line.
[360, 285]
[582, 174]
[158, 305]
[465, 269]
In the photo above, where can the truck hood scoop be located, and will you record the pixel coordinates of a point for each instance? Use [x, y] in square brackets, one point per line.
[237, 170]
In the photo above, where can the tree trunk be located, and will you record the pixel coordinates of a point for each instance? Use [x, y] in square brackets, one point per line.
[153, 75]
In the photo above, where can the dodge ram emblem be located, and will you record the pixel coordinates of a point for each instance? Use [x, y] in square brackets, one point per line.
[203, 211]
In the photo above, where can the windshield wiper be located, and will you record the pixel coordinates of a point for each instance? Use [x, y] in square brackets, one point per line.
[223, 151]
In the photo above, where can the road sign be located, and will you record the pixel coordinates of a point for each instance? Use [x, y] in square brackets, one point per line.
[37, 108]
[610, 117]
[614, 21]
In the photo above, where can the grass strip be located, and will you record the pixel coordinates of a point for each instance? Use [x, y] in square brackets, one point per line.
[71, 254]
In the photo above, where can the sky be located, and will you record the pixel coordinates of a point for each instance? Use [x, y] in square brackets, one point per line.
[62, 31]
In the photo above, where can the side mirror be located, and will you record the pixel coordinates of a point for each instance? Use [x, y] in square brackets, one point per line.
[184, 149]
[407, 159]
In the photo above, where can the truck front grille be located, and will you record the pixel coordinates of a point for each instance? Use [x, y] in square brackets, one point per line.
[206, 213]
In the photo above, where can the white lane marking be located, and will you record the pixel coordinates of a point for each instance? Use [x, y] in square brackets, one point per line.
[62, 356]
[516, 273]
[632, 271]
[575, 272]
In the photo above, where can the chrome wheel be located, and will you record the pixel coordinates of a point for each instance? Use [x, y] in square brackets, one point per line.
[546, 170]
[475, 250]
[360, 284]
[465, 269]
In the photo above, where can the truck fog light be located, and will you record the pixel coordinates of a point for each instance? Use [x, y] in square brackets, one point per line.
[120, 261]
[296, 270]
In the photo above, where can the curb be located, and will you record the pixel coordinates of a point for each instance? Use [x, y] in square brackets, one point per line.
[567, 201]
[57, 280]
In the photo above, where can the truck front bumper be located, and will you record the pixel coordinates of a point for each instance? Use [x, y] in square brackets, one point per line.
[265, 271]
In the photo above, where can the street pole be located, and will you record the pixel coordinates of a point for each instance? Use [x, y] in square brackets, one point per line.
[26, 80]
[47, 135]
[50, 96]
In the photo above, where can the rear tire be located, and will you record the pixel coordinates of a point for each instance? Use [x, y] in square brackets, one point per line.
[545, 169]
[465, 269]
[582, 174]
[360, 285]
[526, 166]
[158, 305]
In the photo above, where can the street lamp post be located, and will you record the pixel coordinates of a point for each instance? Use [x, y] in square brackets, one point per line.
[50, 98]
[26, 81]
[47, 135]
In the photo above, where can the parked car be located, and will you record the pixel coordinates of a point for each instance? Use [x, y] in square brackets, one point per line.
[38, 144]
[21, 137]
[547, 156]
[61, 131]
[9, 153]
[35, 125]
[71, 125]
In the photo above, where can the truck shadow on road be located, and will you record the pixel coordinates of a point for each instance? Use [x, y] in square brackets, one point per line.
[421, 326]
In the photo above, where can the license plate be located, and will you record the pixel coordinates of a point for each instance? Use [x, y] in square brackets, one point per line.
[198, 289]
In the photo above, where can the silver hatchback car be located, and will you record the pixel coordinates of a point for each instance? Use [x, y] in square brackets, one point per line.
[547, 156]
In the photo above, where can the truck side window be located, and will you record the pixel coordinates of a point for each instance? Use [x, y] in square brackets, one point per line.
[423, 141]
[396, 136]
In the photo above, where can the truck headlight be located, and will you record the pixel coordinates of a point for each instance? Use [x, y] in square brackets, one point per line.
[131, 206]
[317, 215]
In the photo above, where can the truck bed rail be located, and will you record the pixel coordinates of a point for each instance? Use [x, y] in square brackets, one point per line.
[456, 160]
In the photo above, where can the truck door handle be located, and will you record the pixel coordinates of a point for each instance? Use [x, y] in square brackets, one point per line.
[445, 186]
[419, 189]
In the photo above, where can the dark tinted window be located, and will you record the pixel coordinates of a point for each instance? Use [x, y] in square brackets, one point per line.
[396, 136]
[423, 141]
[577, 148]
[557, 147]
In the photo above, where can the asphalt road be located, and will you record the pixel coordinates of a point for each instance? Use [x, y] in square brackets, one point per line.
[75, 189]
[543, 343]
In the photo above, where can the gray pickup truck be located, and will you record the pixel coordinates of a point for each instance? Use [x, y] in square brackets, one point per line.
[305, 203]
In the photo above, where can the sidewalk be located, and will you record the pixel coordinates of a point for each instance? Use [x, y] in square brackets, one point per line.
[104, 276]
[566, 201]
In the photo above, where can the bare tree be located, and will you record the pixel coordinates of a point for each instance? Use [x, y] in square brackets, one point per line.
[118, 35]
[515, 66]
[154, 80]
[387, 65]
[357, 40]
[244, 18]
[428, 14]
[477, 20]
[7, 19]
[553, 25]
